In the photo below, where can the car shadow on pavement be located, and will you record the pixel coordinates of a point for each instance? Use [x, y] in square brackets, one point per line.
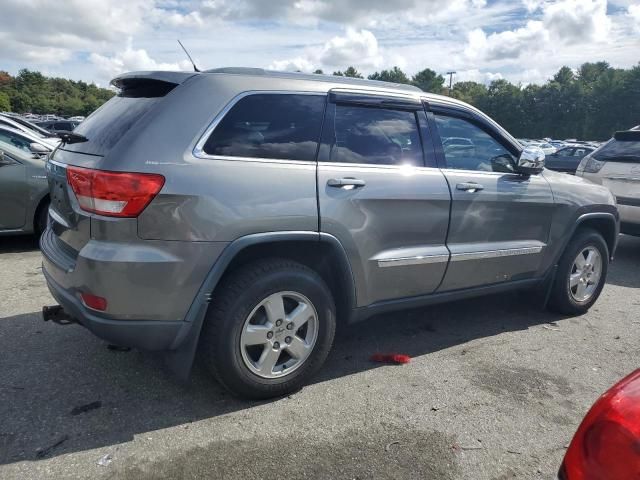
[19, 244]
[62, 390]
[625, 270]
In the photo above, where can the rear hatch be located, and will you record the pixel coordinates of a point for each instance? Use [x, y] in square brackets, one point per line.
[620, 171]
[94, 138]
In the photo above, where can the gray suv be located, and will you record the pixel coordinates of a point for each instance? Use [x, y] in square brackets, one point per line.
[244, 213]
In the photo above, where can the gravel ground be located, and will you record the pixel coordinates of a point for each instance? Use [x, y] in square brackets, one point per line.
[494, 391]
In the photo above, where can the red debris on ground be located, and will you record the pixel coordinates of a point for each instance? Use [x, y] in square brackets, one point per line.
[390, 358]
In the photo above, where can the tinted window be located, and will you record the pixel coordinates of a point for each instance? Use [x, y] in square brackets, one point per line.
[107, 125]
[468, 147]
[16, 140]
[279, 126]
[618, 151]
[374, 135]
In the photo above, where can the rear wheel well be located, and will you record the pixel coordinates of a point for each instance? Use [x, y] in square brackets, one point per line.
[44, 202]
[322, 257]
[604, 227]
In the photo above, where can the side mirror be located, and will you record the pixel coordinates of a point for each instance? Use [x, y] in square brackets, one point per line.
[38, 149]
[531, 161]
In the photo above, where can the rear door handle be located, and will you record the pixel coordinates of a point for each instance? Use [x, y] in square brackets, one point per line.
[469, 187]
[346, 182]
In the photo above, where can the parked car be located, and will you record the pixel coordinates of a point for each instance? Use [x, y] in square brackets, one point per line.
[616, 165]
[286, 203]
[24, 126]
[547, 148]
[605, 447]
[25, 141]
[567, 159]
[59, 126]
[24, 191]
[77, 118]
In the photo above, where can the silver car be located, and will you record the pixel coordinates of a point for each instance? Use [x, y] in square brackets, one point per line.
[616, 165]
[24, 191]
[245, 213]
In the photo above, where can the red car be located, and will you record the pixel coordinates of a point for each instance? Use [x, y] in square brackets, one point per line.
[607, 443]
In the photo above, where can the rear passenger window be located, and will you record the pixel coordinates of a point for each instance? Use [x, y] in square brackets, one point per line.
[374, 136]
[275, 126]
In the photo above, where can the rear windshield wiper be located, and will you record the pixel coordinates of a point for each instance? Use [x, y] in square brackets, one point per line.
[71, 137]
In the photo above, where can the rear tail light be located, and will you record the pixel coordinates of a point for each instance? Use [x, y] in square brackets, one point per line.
[607, 443]
[591, 165]
[114, 194]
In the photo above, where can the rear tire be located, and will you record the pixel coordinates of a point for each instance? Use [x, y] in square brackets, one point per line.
[581, 274]
[41, 218]
[283, 301]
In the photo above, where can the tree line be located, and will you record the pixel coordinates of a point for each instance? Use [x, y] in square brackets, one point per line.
[31, 91]
[589, 103]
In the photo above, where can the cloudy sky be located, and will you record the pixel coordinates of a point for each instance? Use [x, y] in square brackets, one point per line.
[520, 40]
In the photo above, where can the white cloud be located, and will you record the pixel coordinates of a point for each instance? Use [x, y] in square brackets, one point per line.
[575, 21]
[298, 64]
[359, 47]
[131, 60]
[633, 12]
[475, 75]
[87, 39]
[355, 47]
[563, 23]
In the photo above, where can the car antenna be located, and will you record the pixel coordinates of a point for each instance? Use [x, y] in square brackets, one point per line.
[190, 59]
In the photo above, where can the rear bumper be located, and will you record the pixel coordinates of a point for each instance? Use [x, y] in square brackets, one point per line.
[629, 218]
[149, 285]
[143, 334]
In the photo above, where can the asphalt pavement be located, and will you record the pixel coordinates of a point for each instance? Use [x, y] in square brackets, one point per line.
[495, 389]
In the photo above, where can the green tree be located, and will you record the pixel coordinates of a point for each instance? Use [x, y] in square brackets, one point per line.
[395, 75]
[319, 71]
[5, 103]
[470, 92]
[428, 81]
[349, 72]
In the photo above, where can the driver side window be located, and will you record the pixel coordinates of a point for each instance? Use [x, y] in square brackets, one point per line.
[468, 147]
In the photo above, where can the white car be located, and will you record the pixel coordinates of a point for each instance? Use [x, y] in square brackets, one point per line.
[616, 165]
[547, 148]
[30, 129]
[26, 141]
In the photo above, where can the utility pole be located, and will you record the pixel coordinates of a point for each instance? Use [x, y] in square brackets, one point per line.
[451, 74]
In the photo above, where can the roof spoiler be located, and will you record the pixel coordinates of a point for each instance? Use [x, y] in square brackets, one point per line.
[133, 78]
[627, 136]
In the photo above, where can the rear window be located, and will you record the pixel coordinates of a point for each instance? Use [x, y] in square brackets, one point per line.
[618, 151]
[107, 125]
[273, 126]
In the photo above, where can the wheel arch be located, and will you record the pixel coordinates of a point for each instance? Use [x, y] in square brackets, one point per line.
[602, 222]
[329, 260]
[42, 203]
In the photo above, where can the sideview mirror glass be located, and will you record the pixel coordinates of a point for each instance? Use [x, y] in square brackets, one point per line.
[531, 161]
[39, 149]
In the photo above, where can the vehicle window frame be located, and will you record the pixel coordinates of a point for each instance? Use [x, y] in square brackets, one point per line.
[198, 149]
[379, 101]
[469, 116]
[12, 158]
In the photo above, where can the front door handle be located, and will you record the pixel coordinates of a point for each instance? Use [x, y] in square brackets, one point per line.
[469, 187]
[347, 182]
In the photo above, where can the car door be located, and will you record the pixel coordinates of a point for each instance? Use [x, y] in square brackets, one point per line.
[500, 220]
[382, 196]
[13, 192]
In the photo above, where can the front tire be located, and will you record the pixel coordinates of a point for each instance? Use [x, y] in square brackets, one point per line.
[269, 328]
[581, 274]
